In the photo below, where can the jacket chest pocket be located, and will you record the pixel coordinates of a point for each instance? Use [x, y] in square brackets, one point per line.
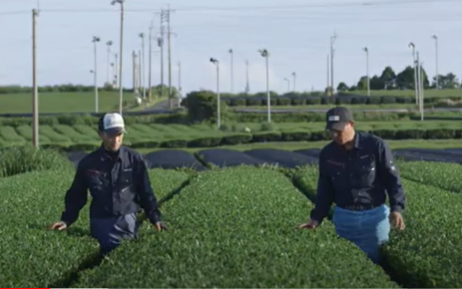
[126, 177]
[365, 170]
[96, 181]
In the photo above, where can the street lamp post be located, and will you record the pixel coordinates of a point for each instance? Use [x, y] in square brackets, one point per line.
[288, 84]
[437, 79]
[264, 53]
[109, 43]
[367, 72]
[95, 74]
[295, 77]
[142, 68]
[231, 52]
[217, 64]
[121, 2]
[412, 46]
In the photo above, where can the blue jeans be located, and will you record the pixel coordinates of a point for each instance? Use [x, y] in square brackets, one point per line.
[367, 229]
[110, 232]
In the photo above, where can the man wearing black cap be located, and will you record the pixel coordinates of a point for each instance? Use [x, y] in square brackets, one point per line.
[118, 180]
[355, 170]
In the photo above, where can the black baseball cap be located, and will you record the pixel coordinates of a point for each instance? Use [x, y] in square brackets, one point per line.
[337, 118]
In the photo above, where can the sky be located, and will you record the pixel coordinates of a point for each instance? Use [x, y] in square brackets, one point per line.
[295, 32]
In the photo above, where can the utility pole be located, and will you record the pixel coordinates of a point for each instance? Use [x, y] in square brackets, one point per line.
[332, 41]
[109, 43]
[295, 78]
[121, 2]
[160, 43]
[217, 64]
[232, 70]
[165, 15]
[436, 62]
[35, 131]
[142, 65]
[247, 85]
[95, 74]
[264, 53]
[328, 77]
[367, 72]
[150, 62]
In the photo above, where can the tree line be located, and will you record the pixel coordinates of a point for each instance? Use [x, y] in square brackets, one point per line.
[404, 79]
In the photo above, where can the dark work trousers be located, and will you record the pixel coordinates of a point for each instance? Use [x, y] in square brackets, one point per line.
[110, 232]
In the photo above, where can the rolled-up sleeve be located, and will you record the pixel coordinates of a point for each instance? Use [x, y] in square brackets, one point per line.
[76, 197]
[324, 194]
[391, 178]
[148, 200]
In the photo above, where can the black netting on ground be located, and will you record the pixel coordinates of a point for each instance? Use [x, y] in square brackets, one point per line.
[282, 158]
[431, 157]
[76, 157]
[172, 159]
[228, 158]
[452, 151]
[309, 152]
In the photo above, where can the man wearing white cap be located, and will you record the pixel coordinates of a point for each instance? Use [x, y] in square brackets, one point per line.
[118, 180]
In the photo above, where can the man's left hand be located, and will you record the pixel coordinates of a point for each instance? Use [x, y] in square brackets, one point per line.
[159, 227]
[396, 220]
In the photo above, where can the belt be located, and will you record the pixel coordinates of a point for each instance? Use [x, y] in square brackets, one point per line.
[359, 207]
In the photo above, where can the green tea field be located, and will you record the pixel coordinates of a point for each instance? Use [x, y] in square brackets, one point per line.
[234, 227]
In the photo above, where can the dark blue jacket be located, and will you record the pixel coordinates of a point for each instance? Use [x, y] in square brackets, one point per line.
[357, 179]
[118, 185]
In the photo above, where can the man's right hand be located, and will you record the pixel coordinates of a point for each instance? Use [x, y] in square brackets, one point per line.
[312, 224]
[60, 226]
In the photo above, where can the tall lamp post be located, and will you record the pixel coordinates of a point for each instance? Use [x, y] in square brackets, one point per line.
[295, 77]
[412, 47]
[367, 72]
[264, 53]
[436, 62]
[142, 68]
[288, 84]
[95, 74]
[121, 2]
[231, 52]
[217, 64]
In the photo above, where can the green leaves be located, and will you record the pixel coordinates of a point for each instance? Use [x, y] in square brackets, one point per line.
[427, 253]
[32, 255]
[237, 228]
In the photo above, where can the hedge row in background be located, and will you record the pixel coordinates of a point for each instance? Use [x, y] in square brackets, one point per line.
[425, 254]
[325, 100]
[237, 117]
[34, 257]
[232, 231]
[245, 138]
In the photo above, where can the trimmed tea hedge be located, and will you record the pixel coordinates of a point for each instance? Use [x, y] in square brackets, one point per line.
[237, 228]
[82, 137]
[34, 257]
[446, 176]
[425, 254]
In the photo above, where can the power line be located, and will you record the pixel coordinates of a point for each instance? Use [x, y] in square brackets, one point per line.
[241, 8]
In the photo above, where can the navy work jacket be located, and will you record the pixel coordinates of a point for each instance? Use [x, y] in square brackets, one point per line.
[357, 179]
[119, 184]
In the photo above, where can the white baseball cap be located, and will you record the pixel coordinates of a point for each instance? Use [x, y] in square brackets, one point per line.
[112, 124]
